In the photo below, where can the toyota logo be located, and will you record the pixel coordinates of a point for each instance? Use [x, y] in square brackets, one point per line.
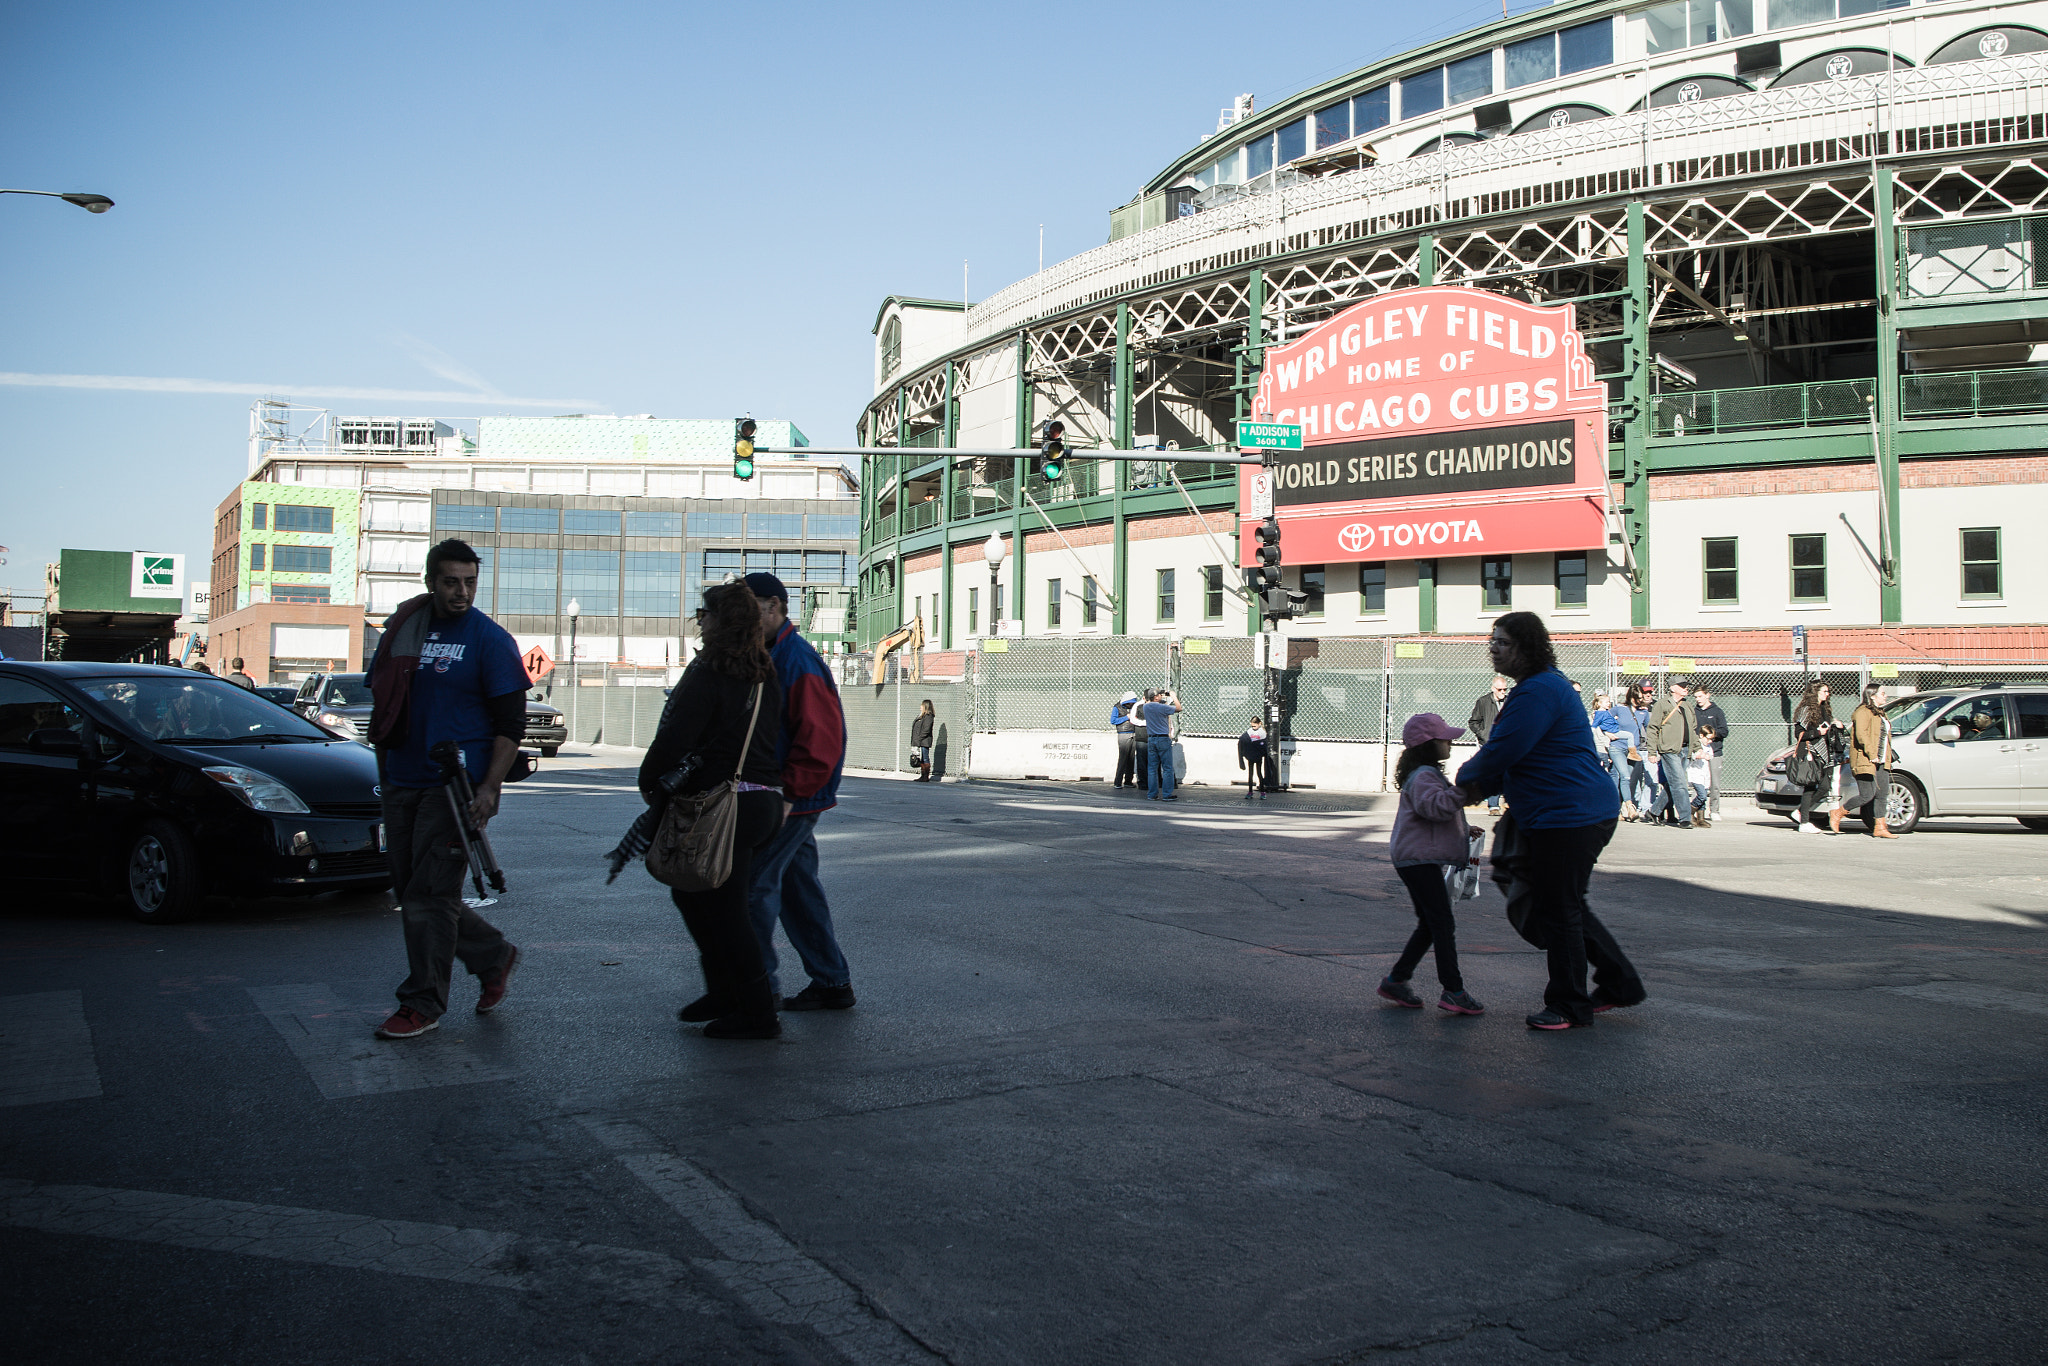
[1356, 537]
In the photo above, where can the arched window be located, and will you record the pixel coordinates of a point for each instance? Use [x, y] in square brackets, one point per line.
[892, 346]
[1447, 140]
[1839, 65]
[1991, 42]
[1693, 89]
[1558, 116]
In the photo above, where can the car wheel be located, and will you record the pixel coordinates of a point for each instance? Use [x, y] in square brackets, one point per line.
[2035, 822]
[160, 878]
[1904, 805]
[548, 751]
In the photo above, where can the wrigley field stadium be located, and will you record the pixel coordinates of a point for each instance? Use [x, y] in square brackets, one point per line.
[1792, 256]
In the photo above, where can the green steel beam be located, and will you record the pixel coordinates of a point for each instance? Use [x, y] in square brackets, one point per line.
[1121, 551]
[945, 534]
[1019, 474]
[1425, 260]
[1635, 364]
[1993, 308]
[1890, 594]
[1425, 597]
[1975, 435]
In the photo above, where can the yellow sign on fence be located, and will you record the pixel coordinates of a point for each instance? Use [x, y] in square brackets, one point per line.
[1636, 668]
[996, 646]
[1194, 645]
[1884, 671]
[1680, 666]
[1407, 649]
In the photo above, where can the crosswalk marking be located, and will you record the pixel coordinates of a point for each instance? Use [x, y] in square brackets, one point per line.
[769, 1274]
[401, 1247]
[46, 1049]
[1974, 995]
[333, 1041]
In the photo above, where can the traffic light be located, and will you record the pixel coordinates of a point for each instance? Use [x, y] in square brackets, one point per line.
[1269, 550]
[743, 448]
[1052, 451]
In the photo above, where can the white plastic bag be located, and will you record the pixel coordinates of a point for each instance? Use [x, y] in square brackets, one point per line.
[1463, 883]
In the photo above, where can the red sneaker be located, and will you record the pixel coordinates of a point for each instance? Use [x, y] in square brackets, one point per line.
[495, 984]
[406, 1024]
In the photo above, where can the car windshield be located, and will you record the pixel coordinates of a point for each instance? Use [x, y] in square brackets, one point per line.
[1908, 714]
[195, 709]
[348, 690]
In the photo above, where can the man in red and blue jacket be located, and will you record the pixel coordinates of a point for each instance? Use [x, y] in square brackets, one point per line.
[812, 756]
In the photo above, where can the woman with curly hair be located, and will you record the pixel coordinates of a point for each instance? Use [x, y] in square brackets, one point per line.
[729, 697]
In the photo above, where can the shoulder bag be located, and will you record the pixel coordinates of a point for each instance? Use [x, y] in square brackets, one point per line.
[692, 847]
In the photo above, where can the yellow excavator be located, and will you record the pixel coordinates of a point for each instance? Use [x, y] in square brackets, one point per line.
[906, 638]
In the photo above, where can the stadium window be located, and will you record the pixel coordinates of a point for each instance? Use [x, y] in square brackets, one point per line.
[258, 516]
[1469, 78]
[1258, 158]
[1052, 602]
[1372, 110]
[1810, 568]
[1570, 578]
[1165, 595]
[1372, 590]
[1982, 571]
[1088, 600]
[1293, 141]
[1212, 592]
[302, 559]
[973, 610]
[1792, 13]
[1333, 125]
[1722, 582]
[1314, 582]
[299, 517]
[1586, 46]
[1497, 582]
[1532, 60]
[1422, 93]
[530, 521]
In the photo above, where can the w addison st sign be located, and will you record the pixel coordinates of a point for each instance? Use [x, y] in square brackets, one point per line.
[1434, 421]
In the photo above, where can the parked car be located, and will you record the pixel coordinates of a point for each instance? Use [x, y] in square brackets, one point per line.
[1976, 750]
[341, 703]
[162, 786]
[282, 694]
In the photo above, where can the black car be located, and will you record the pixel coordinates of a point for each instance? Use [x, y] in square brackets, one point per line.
[281, 694]
[163, 785]
[341, 703]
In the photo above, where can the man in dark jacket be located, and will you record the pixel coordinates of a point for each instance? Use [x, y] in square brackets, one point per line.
[786, 886]
[1251, 757]
[1673, 731]
[1711, 717]
[443, 671]
[1484, 712]
[1120, 719]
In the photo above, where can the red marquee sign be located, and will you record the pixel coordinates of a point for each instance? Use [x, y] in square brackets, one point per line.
[1435, 421]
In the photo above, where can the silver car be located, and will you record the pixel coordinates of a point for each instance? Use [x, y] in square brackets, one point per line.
[1977, 750]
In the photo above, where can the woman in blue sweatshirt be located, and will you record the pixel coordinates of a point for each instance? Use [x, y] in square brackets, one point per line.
[1565, 808]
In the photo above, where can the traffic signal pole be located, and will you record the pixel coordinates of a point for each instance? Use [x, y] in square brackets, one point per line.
[1011, 453]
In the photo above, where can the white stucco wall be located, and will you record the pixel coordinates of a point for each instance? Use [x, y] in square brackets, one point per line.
[1763, 526]
[1930, 553]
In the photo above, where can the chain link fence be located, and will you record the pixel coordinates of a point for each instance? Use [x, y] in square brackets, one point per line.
[1066, 684]
[879, 716]
[1219, 691]
[1338, 692]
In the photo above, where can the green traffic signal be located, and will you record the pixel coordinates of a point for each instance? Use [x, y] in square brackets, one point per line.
[743, 448]
[1052, 452]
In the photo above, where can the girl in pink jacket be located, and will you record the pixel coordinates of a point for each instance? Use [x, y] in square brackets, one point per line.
[1429, 833]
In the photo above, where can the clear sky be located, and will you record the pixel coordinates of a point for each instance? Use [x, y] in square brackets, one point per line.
[684, 210]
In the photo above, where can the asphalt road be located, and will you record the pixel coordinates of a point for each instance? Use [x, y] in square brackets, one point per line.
[1117, 1090]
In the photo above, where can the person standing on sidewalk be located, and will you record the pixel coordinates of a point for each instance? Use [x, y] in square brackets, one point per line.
[812, 755]
[1158, 714]
[1429, 838]
[1711, 717]
[921, 739]
[1251, 757]
[1481, 721]
[239, 676]
[726, 714]
[1673, 732]
[1564, 812]
[1121, 720]
[1815, 736]
[443, 671]
[1870, 759]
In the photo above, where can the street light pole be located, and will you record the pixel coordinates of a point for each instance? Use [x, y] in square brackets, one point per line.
[91, 203]
[993, 550]
[573, 610]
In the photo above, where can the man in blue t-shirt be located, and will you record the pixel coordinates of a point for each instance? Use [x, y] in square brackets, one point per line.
[1158, 717]
[443, 671]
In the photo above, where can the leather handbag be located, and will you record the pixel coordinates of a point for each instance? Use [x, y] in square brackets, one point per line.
[1803, 770]
[692, 847]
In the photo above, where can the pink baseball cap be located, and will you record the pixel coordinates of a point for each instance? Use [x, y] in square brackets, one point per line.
[1427, 725]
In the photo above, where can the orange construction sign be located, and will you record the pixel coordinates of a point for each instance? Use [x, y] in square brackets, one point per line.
[539, 664]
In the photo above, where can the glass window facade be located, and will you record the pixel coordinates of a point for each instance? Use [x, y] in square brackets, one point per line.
[526, 581]
[654, 524]
[537, 521]
[715, 524]
[302, 559]
[589, 522]
[1374, 109]
[1333, 124]
[448, 518]
[1810, 568]
[1372, 590]
[1293, 141]
[1570, 579]
[592, 578]
[780, 526]
[654, 583]
[834, 526]
[298, 517]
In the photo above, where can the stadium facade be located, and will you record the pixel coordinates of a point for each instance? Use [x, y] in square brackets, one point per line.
[1806, 247]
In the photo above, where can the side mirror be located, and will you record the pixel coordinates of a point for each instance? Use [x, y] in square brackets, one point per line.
[56, 740]
[1947, 735]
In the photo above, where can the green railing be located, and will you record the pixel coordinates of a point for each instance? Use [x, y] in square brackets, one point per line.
[918, 516]
[1706, 412]
[1974, 393]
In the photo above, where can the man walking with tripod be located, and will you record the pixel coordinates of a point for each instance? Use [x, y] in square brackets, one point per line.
[443, 672]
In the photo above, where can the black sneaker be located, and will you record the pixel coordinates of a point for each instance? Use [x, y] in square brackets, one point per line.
[1460, 1003]
[744, 1027]
[711, 1008]
[1400, 993]
[1550, 1019]
[815, 997]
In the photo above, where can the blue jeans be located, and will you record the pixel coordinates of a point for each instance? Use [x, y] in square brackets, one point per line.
[1159, 766]
[786, 888]
[1674, 789]
[1620, 768]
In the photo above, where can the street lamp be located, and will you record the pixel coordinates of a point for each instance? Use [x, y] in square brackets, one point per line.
[993, 550]
[574, 610]
[91, 203]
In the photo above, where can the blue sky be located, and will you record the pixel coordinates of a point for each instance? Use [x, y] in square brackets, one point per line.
[683, 210]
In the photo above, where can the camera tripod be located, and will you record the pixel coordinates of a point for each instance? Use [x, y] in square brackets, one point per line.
[476, 845]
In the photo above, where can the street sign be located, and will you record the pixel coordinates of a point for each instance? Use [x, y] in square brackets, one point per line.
[1259, 501]
[539, 664]
[1268, 436]
[1408, 649]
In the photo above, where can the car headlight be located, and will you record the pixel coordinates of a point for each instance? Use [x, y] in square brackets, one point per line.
[258, 791]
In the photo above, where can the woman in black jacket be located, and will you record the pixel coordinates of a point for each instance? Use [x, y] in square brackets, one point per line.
[730, 686]
[1816, 736]
[921, 739]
